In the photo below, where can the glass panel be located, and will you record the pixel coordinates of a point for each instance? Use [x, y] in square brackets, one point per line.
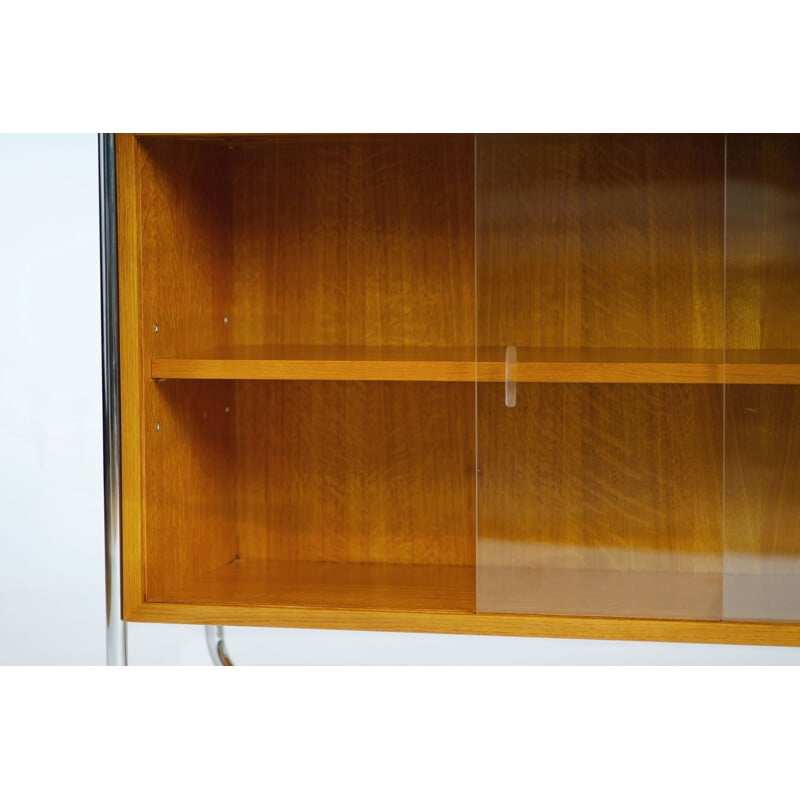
[599, 260]
[762, 456]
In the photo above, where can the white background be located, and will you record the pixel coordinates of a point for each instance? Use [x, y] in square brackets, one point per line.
[51, 484]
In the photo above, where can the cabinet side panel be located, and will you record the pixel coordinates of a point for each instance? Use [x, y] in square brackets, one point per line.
[600, 241]
[185, 285]
[130, 371]
[186, 245]
[189, 484]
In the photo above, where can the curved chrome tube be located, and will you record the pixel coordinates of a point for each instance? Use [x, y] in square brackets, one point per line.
[215, 638]
[116, 631]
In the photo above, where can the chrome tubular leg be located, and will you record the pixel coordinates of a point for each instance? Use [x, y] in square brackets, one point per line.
[116, 631]
[215, 638]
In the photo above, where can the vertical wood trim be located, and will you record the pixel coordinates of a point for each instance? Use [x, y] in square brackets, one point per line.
[130, 371]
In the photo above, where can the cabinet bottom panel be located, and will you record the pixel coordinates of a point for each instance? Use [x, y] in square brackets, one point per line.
[666, 597]
[311, 584]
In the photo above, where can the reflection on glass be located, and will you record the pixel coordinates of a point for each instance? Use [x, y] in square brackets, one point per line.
[762, 457]
[601, 496]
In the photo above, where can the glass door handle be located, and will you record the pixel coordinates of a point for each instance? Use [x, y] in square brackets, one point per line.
[511, 376]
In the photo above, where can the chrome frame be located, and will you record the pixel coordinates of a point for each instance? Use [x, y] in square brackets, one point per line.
[215, 639]
[116, 628]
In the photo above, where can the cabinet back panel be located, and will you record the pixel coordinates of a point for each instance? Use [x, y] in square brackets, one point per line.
[586, 490]
[354, 240]
[186, 245]
[763, 247]
[601, 476]
[610, 241]
[762, 530]
[355, 472]
[762, 535]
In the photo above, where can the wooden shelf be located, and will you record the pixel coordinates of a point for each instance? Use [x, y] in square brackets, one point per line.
[308, 584]
[534, 365]
[320, 363]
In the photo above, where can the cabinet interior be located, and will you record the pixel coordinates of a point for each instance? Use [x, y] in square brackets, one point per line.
[320, 251]
[323, 324]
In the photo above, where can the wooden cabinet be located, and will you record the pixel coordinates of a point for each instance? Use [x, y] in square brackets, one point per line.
[527, 385]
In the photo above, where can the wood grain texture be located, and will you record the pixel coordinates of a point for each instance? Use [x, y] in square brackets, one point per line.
[313, 584]
[223, 235]
[354, 240]
[486, 624]
[189, 480]
[599, 477]
[763, 241]
[762, 555]
[637, 468]
[186, 245]
[176, 218]
[593, 243]
[315, 362]
[131, 370]
[355, 472]
[762, 531]
[600, 241]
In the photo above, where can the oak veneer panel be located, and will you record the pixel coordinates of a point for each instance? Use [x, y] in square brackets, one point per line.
[626, 478]
[175, 251]
[763, 241]
[600, 241]
[762, 528]
[355, 472]
[131, 371]
[189, 502]
[305, 584]
[354, 240]
[321, 362]
[186, 245]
